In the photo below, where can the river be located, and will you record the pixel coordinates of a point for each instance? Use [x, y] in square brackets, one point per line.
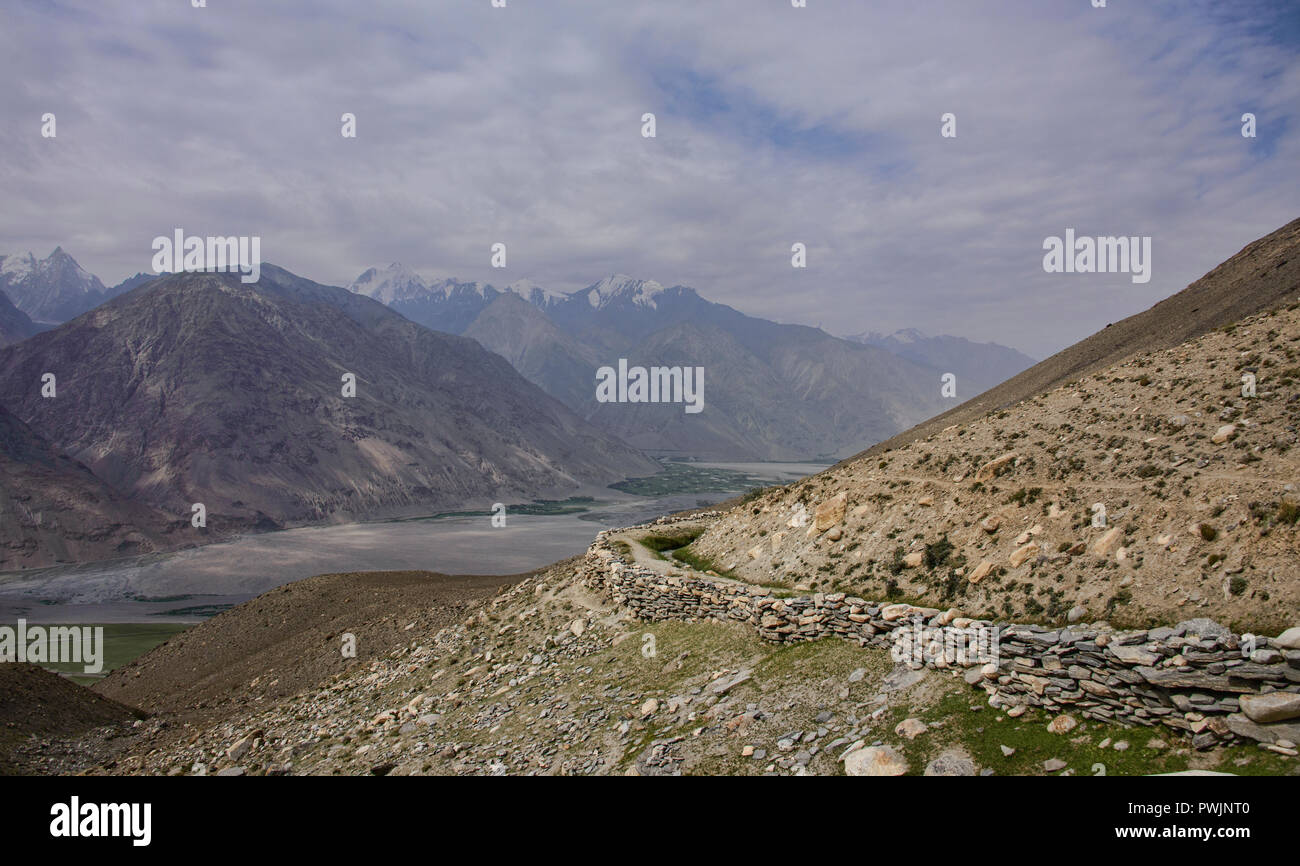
[188, 585]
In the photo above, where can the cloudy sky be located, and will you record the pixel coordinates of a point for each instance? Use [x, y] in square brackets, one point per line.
[774, 125]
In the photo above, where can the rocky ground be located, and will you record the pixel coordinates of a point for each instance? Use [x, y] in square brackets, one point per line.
[549, 678]
[1004, 517]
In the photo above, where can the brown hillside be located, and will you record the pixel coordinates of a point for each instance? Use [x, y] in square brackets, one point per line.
[290, 638]
[37, 702]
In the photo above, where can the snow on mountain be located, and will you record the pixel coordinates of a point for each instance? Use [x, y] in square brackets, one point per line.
[17, 267]
[903, 336]
[52, 289]
[536, 294]
[394, 283]
[618, 288]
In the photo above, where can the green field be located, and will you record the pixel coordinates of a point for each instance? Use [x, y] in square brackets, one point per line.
[689, 478]
[123, 643]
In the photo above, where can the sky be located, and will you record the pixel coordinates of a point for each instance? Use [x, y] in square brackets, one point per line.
[775, 125]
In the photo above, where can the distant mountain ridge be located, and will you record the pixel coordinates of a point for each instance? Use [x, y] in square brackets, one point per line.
[53, 289]
[775, 392]
[977, 366]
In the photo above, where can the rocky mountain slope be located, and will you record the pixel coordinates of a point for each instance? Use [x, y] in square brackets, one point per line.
[15, 325]
[197, 388]
[54, 509]
[1151, 490]
[53, 289]
[1259, 277]
[38, 703]
[771, 391]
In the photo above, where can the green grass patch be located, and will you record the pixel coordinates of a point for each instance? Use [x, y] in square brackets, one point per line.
[123, 643]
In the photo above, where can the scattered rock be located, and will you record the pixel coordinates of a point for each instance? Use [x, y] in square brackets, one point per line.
[1224, 434]
[911, 728]
[1271, 707]
[830, 512]
[874, 761]
[1062, 724]
[951, 762]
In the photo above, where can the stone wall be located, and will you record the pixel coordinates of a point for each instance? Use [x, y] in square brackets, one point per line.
[1197, 677]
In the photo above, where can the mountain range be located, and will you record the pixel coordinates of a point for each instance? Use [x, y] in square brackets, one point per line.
[197, 388]
[55, 288]
[772, 391]
[977, 366]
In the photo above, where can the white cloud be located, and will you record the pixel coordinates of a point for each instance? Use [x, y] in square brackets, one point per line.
[775, 124]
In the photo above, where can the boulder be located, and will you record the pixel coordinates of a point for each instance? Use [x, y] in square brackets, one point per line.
[1271, 707]
[874, 761]
[981, 571]
[830, 512]
[1244, 727]
[1103, 546]
[911, 728]
[1022, 554]
[1062, 724]
[951, 762]
[1288, 640]
[995, 466]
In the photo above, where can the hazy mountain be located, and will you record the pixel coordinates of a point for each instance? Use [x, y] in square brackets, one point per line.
[54, 509]
[977, 366]
[772, 392]
[130, 283]
[443, 305]
[15, 325]
[199, 388]
[525, 336]
[53, 289]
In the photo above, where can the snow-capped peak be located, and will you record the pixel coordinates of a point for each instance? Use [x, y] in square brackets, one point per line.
[618, 287]
[908, 335]
[394, 283]
[482, 290]
[16, 267]
[536, 294]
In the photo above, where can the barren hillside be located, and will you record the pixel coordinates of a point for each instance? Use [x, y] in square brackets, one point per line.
[1003, 515]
